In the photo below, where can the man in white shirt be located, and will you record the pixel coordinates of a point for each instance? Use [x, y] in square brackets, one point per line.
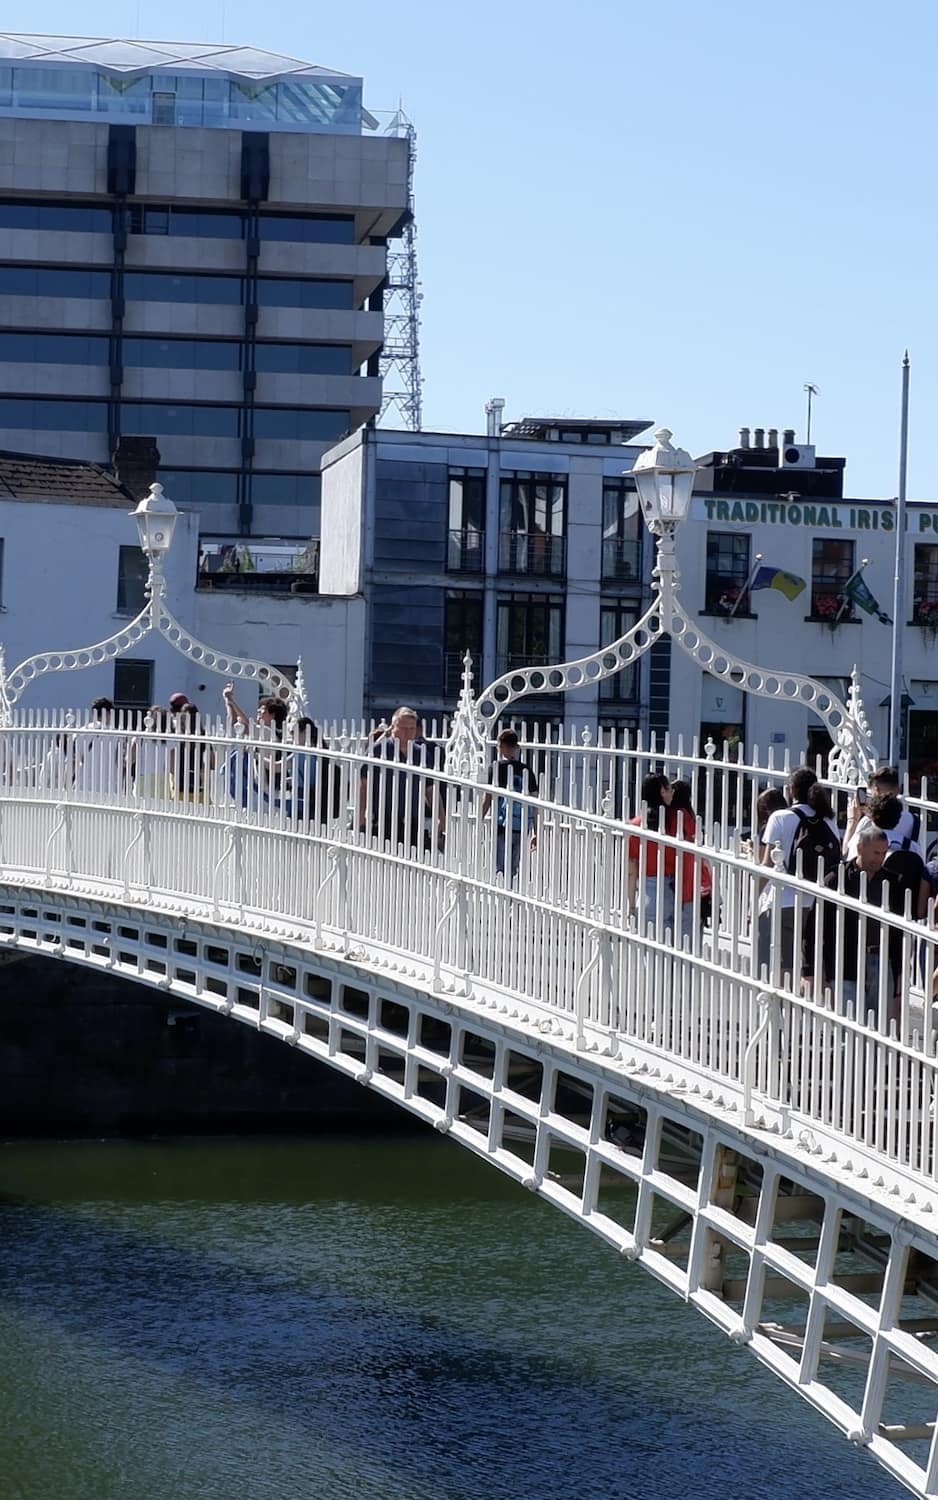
[808, 801]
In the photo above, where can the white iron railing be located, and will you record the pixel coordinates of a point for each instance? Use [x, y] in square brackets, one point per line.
[550, 903]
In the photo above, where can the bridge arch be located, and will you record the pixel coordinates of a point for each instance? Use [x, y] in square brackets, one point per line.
[660, 1169]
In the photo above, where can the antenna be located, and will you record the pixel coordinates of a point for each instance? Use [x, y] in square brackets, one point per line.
[811, 391]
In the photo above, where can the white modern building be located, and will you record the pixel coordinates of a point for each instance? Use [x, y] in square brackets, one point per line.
[72, 573]
[193, 248]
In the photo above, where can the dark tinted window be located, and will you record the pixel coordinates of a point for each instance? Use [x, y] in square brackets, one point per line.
[163, 286]
[63, 416]
[182, 354]
[304, 359]
[286, 489]
[145, 218]
[53, 348]
[200, 486]
[314, 425]
[146, 417]
[308, 228]
[71, 217]
[289, 292]
[48, 281]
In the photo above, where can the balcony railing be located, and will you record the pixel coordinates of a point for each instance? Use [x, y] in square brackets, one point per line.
[535, 554]
[246, 566]
[453, 670]
[465, 552]
[622, 560]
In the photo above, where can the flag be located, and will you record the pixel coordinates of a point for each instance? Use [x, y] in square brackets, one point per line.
[788, 584]
[857, 593]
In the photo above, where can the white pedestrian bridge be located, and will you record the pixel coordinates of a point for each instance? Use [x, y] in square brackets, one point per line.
[759, 1144]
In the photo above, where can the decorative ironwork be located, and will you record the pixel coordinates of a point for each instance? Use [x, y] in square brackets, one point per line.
[157, 617]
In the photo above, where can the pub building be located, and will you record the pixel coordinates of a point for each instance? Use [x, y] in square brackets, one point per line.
[785, 571]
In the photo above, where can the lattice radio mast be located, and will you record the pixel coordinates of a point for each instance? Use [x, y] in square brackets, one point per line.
[400, 357]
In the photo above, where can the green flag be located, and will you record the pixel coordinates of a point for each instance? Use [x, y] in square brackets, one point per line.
[857, 593]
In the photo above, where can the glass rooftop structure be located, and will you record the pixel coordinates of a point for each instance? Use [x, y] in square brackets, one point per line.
[174, 83]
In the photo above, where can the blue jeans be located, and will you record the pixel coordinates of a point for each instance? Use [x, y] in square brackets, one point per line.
[684, 925]
[511, 837]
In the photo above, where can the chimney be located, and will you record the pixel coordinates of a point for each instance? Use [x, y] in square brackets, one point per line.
[493, 413]
[136, 461]
[758, 437]
[744, 437]
[788, 436]
[772, 438]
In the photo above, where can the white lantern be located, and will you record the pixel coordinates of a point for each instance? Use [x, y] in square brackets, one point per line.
[155, 516]
[664, 478]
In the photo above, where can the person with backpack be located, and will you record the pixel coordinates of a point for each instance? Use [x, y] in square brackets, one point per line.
[513, 774]
[810, 843]
[857, 958]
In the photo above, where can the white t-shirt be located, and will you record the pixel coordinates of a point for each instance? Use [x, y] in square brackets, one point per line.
[908, 827]
[782, 828]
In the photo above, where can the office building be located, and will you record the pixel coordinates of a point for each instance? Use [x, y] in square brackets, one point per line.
[522, 546]
[193, 243]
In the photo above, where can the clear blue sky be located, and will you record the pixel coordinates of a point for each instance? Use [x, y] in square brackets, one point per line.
[680, 210]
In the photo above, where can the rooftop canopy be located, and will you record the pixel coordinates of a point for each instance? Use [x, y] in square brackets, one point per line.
[174, 83]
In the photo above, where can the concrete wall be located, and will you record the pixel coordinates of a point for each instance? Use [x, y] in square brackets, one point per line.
[343, 516]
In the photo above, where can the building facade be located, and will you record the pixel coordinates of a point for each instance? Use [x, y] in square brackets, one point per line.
[777, 508]
[520, 546]
[525, 547]
[193, 245]
[72, 574]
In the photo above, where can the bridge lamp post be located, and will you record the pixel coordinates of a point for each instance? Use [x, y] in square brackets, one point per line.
[664, 480]
[155, 516]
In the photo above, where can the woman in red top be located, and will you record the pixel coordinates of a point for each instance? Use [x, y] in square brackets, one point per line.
[681, 820]
[658, 882]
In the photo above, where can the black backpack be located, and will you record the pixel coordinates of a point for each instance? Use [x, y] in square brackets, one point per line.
[814, 840]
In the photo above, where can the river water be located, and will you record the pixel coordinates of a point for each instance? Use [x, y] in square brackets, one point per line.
[334, 1320]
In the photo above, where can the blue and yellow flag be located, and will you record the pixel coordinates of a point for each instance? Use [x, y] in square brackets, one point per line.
[788, 584]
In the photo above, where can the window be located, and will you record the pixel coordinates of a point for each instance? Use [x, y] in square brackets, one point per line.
[622, 533]
[462, 633]
[466, 544]
[287, 489]
[925, 585]
[312, 425]
[159, 219]
[532, 521]
[164, 108]
[131, 581]
[147, 418]
[163, 286]
[70, 218]
[333, 229]
[49, 281]
[182, 354]
[200, 487]
[727, 573]
[51, 416]
[285, 291]
[303, 359]
[831, 570]
[614, 621]
[530, 631]
[133, 683]
[53, 349]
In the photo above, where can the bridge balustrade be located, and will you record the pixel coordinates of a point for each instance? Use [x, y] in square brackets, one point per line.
[550, 904]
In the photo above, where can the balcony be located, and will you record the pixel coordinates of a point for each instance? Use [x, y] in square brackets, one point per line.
[465, 552]
[452, 673]
[622, 560]
[531, 554]
[242, 565]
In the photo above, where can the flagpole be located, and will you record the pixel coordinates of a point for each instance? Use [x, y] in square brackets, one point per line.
[744, 591]
[898, 593]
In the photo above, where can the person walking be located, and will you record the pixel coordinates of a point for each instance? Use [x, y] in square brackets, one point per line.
[511, 773]
[808, 836]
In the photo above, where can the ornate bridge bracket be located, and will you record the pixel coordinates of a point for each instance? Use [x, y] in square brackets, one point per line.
[155, 617]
